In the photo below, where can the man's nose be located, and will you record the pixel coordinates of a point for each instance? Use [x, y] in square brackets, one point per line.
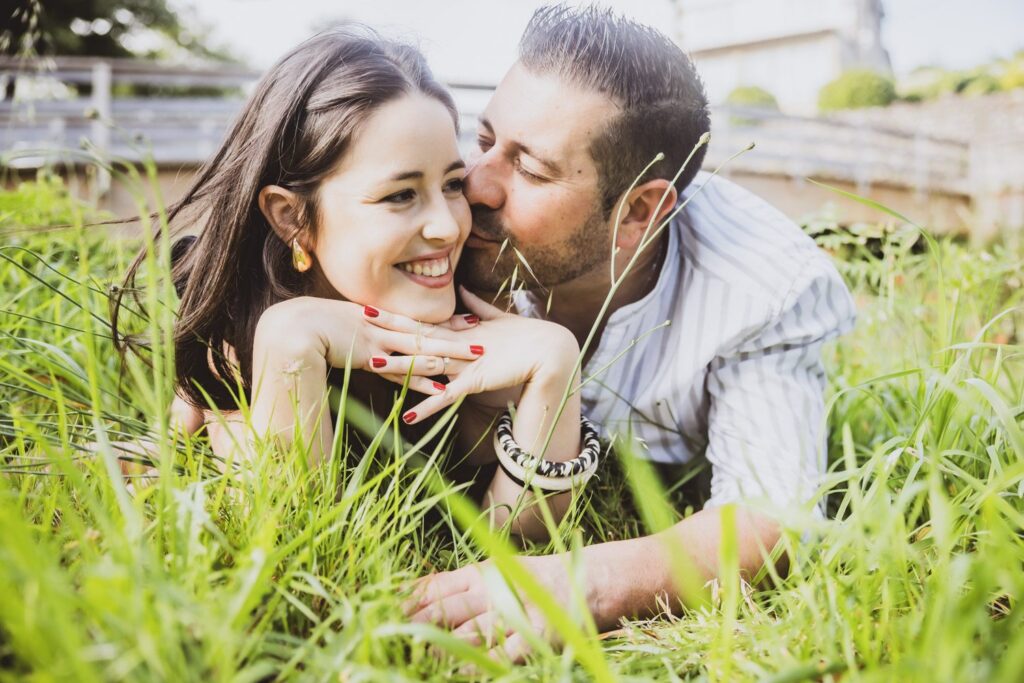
[484, 183]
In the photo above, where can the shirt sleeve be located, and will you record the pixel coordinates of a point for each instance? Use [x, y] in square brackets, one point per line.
[766, 422]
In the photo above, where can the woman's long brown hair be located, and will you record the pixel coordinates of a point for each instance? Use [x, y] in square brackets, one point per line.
[292, 132]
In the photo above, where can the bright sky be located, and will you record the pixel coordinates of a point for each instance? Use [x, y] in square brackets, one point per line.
[474, 40]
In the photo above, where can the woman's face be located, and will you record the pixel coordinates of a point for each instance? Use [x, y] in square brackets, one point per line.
[392, 217]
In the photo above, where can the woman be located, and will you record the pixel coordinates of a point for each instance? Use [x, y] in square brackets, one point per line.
[332, 221]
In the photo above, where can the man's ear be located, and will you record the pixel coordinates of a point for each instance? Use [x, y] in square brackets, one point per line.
[281, 208]
[645, 205]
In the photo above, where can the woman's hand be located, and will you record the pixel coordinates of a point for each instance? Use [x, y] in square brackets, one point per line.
[309, 327]
[515, 352]
[297, 341]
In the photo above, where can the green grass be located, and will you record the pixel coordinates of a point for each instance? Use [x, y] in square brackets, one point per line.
[214, 572]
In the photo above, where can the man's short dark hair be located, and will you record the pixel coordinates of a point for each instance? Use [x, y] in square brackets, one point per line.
[664, 107]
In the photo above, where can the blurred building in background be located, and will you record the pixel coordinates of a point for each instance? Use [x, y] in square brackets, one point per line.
[791, 48]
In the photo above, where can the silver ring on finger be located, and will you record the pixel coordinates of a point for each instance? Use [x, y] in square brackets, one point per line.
[445, 359]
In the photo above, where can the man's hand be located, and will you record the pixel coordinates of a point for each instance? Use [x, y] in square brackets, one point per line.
[468, 601]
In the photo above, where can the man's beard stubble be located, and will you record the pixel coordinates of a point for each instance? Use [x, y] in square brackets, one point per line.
[576, 254]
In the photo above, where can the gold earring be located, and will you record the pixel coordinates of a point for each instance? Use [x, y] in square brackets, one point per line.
[300, 259]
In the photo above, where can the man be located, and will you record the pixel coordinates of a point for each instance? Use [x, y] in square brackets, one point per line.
[736, 374]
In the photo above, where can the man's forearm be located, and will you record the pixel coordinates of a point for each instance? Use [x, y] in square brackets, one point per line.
[633, 578]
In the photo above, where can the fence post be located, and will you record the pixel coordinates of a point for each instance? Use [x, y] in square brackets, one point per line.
[101, 102]
[863, 164]
[921, 166]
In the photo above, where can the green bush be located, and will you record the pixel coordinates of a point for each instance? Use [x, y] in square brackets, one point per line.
[857, 89]
[752, 96]
[43, 202]
[929, 83]
[980, 84]
[1013, 75]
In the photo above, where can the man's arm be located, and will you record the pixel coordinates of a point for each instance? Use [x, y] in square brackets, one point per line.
[621, 580]
[634, 578]
[765, 443]
[767, 417]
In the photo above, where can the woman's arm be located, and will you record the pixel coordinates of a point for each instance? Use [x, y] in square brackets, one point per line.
[537, 361]
[536, 413]
[289, 375]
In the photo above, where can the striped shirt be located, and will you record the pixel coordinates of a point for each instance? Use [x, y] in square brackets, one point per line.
[736, 374]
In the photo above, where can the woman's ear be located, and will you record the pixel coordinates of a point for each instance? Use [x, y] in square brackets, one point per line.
[645, 205]
[281, 208]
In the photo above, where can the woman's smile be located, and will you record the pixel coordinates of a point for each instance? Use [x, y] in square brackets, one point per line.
[431, 270]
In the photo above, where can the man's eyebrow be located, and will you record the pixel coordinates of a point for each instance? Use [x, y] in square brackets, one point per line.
[416, 175]
[550, 166]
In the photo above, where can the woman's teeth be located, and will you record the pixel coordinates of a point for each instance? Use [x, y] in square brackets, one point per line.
[432, 268]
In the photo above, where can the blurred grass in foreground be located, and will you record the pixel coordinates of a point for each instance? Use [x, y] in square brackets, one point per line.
[212, 572]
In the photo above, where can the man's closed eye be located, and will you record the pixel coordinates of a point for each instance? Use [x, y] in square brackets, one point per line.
[532, 177]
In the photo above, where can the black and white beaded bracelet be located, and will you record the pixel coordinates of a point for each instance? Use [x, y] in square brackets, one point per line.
[547, 475]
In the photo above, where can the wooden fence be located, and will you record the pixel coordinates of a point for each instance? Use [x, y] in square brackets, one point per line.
[180, 132]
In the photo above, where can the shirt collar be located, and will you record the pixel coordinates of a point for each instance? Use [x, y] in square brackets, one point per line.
[661, 295]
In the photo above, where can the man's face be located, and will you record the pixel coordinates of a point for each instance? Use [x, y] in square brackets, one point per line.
[532, 182]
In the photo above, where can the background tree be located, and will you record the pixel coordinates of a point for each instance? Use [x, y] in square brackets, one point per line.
[99, 28]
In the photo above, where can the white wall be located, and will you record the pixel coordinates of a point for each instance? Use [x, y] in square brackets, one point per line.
[707, 24]
[789, 47]
[794, 71]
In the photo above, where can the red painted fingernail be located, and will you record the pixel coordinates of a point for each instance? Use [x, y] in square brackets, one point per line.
[471, 319]
[439, 386]
[370, 312]
[476, 350]
[378, 362]
[409, 417]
